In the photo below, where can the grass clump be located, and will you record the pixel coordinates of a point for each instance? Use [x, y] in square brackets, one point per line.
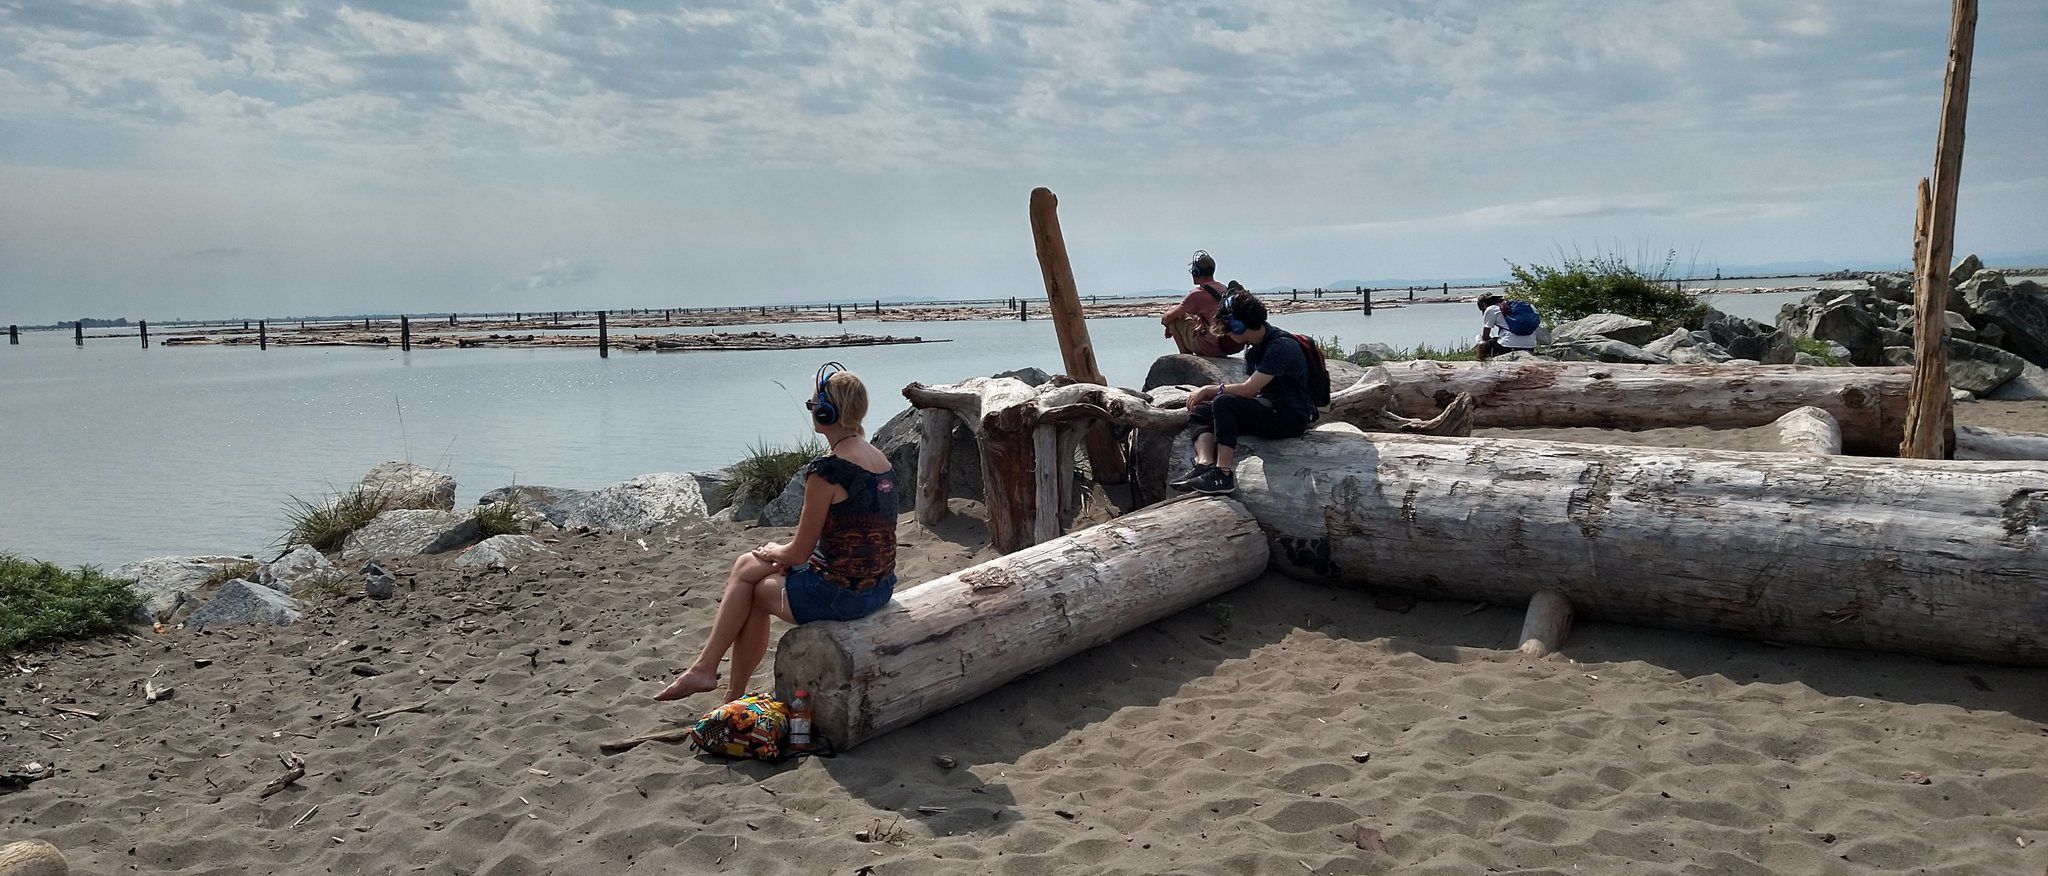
[225, 574]
[1605, 283]
[324, 527]
[502, 518]
[1816, 348]
[40, 602]
[767, 468]
[1333, 348]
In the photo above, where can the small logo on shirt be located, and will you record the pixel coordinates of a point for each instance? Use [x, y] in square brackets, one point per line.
[887, 485]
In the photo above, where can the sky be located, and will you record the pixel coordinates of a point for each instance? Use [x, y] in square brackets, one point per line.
[239, 158]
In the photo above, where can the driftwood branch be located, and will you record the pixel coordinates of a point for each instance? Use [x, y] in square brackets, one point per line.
[673, 734]
[294, 770]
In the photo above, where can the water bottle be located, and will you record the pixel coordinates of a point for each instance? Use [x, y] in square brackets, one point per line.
[800, 720]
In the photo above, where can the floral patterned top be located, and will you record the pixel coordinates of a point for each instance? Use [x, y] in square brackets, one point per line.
[858, 547]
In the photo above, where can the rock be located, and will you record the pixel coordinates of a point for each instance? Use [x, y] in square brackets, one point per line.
[1599, 349]
[900, 438]
[1807, 359]
[2019, 312]
[1187, 369]
[1842, 320]
[1774, 347]
[405, 485]
[242, 603]
[1384, 352]
[642, 503]
[1664, 345]
[1974, 368]
[377, 583]
[784, 509]
[2031, 384]
[166, 584]
[1700, 354]
[1723, 329]
[715, 487]
[1892, 287]
[1742, 362]
[1614, 326]
[1957, 326]
[1839, 352]
[1522, 356]
[1966, 268]
[1364, 354]
[32, 858]
[503, 552]
[1343, 373]
[299, 570]
[1030, 376]
[410, 533]
[1961, 395]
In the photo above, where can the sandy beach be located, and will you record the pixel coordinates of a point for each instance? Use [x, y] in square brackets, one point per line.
[1284, 728]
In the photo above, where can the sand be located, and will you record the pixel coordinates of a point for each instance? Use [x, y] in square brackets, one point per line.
[1259, 733]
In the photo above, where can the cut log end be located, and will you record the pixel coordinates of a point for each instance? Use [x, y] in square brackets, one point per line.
[1547, 625]
[32, 858]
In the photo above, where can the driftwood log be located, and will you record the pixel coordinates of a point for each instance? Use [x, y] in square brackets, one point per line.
[1547, 625]
[1976, 442]
[1869, 404]
[1929, 557]
[1810, 430]
[947, 641]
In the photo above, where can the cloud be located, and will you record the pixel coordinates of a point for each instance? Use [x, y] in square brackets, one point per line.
[554, 272]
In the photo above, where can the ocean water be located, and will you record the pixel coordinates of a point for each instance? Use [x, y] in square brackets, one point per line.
[112, 453]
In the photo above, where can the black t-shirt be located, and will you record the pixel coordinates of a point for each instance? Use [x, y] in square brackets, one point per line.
[1281, 356]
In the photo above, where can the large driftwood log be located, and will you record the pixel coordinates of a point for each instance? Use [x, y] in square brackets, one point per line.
[1869, 404]
[1810, 430]
[1929, 557]
[1979, 443]
[947, 641]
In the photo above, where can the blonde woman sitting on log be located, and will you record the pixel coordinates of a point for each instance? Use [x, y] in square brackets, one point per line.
[840, 564]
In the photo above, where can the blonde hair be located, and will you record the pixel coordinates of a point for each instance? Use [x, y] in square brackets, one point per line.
[845, 391]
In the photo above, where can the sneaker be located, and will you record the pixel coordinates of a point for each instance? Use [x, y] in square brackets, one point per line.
[1186, 482]
[1216, 482]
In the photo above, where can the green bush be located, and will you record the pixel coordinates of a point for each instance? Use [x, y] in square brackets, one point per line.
[1333, 348]
[502, 518]
[767, 469]
[1605, 283]
[326, 526]
[40, 602]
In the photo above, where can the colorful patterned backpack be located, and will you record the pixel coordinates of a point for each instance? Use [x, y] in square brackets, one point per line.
[752, 726]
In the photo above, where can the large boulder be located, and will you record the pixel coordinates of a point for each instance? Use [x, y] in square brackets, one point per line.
[410, 532]
[1842, 319]
[1599, 349]
[167, 584]
[1965, 269]
[1700, 354]
[715, 487]
[1973, 368]
[2031, 384]
[1774, 347]
[1188, 369]
[240, 603]
[405, 485]
[2019, 312]
[1665, 345]
[302, 569]
[787, 506]
[1613, 326]
[642, 503]
[1894, 287]
[503, 552]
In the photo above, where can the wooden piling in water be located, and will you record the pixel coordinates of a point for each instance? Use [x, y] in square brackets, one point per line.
[262, 335]
[604, 335]
[78, 333]
[13, 334]
[142, 328]
[839, 312]
[405, 333]
[1365, 300]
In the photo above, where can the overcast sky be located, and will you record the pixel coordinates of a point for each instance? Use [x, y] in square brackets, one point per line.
[187, 158]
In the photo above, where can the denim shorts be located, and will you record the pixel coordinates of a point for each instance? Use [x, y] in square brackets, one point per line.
[812, 598]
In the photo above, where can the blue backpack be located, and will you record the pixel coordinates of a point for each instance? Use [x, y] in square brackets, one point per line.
[1520, 316]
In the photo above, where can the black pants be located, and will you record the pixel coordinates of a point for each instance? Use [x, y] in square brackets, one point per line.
[1230, 416]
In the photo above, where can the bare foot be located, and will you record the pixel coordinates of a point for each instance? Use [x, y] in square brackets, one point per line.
[692, 681]
[731, 695]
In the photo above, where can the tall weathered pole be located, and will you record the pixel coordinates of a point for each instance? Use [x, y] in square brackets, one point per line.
[1071, 327]
[1929, 416]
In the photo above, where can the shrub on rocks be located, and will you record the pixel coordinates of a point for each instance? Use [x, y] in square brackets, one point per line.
[166, 586]
[1581, 286]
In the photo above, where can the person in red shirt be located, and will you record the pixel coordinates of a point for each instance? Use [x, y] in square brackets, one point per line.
[1192, 323]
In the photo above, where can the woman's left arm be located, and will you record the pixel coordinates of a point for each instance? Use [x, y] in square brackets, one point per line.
[819, 494]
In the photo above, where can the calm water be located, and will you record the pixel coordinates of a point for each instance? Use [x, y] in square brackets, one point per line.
[112, 453]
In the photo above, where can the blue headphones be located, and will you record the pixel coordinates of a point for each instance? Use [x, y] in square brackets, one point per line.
[1200, 254]
[1230, 321]
[822, 408]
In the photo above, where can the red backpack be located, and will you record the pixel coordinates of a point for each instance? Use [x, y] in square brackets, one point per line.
[1318, 370]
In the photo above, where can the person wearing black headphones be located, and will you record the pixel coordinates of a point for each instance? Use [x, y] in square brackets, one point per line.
[840, 564]
[1192, 323]
[1273, 402]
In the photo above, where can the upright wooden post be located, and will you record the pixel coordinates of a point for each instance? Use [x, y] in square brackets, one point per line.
[78, 333]
[839, 312]
[405, 333]
[245, 325]
[1411, 293]
[935, 446]
[142, 326]
[1929, 434]
[1045, 480]
[1365, 297]
[878, 307]
[13, 334]
[1071, 326]
[262, 335]
[1547, 624]
[1022, 311]
[604, 335]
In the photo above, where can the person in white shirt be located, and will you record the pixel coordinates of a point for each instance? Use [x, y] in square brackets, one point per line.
[1494, 337]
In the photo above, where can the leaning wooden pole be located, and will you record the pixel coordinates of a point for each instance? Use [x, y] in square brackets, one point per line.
[1071, 326]
[1930, 557]
[947, 641]
[1928, 414]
